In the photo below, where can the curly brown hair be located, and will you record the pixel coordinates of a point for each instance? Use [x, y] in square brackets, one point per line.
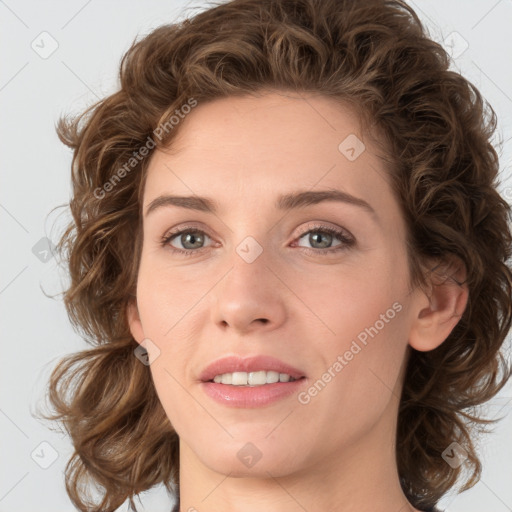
[374, 54]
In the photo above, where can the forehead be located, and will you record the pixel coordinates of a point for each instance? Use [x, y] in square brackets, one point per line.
[240, 148]
[270, 124]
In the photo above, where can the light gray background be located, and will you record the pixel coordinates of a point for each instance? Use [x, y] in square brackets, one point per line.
[34, 91]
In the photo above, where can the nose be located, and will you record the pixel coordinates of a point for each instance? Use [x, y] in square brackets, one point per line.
[250, 297]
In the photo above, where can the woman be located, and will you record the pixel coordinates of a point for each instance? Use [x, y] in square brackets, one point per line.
[290, 254]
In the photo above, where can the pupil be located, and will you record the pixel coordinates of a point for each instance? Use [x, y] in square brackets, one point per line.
[190, 238]
[319, 235]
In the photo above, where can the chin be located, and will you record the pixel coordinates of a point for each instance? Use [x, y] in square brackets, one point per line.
[249, 459]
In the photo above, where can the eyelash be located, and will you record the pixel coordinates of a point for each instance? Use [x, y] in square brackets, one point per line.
[347, 242]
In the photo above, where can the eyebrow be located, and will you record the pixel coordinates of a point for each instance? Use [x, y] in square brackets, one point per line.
[290, 201]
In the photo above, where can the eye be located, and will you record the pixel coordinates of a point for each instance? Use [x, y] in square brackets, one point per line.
[322, 237]
[190, 239]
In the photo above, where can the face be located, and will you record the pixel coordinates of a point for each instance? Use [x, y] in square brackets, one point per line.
[320, 285]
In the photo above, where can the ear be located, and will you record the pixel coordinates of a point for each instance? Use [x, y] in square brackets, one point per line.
[438, 311]
[134, 322]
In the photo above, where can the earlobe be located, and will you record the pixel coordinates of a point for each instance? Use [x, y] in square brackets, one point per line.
[134, 322]
[439, 312]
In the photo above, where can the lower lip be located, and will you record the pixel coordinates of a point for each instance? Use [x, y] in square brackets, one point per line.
[251, 396]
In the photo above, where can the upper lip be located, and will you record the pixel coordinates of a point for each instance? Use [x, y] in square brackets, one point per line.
[232, 364]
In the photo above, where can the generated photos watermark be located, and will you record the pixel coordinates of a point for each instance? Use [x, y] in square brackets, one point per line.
[139, 155]
[304, 397]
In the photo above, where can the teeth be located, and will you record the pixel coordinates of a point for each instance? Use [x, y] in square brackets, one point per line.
[252, 378]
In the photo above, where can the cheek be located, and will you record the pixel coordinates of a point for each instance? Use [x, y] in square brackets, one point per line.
[171, 306]
[360, 318]
[167, 298]
[359, 378]
[343, 300]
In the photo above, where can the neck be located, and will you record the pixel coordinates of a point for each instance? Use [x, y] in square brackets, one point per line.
[360, 476]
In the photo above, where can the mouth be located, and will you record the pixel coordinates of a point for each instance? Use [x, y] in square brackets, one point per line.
[247, 396]
[253, 379]
[250, 382]
[249, 371]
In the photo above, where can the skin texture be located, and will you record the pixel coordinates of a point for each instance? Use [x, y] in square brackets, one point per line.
[337, 451]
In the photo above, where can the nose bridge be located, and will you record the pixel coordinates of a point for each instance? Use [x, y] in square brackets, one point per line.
[250, 290]
[250, 243]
